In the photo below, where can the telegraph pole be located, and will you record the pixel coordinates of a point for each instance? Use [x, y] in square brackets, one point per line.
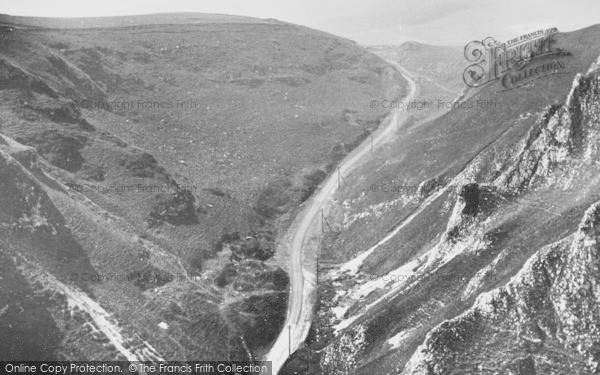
[323, 219]
[340, 176]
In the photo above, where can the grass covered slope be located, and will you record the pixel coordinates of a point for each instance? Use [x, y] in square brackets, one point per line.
[442, 65]
[270, 108]
[270, 100]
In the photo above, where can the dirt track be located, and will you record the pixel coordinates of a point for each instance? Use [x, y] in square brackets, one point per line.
[306, 227]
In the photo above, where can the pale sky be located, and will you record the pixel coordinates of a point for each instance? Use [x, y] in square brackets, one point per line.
[454, 22]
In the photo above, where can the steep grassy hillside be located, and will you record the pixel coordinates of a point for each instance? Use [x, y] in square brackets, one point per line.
[442, 64]
[437, 72]
[150, 163]
[479, 198]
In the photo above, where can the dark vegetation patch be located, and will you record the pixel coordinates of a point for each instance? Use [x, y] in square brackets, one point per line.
[311, 182]
[218, 192]
[250, 82]
[341, 150]
[112, 139]
[65, 114]
[255, 244]
[202, 328]
[371, 125]
[275, 199]
[98, 65]
[142, 57]
[93, 72]
[92, 172]
[82, 87]
[58, 45]
[12, 77]
[277, 277]
[259, 318]
[362, 79]
[227, 276]
[60, 149]
[246, 270]
[178, 209]
[145, 165]
[292, 81]
[150, 277]
[113, 53]
[196, 260]
[226, 238]
[318, 70]
[27, 329]
[251, 247]
[280, 195]
[90, 61]
[338, 153]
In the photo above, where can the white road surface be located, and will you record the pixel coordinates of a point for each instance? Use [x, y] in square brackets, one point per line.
[307, 223]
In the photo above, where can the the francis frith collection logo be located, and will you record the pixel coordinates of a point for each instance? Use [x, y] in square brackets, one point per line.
[513, 62]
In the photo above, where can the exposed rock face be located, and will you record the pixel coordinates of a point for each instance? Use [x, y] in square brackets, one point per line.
[473, 204]
[509, 284]
[550, 309]
[545, 320]
[470, 194]
[430, 185]
[560, 132]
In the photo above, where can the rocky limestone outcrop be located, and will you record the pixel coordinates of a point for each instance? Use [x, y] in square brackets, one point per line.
[561, 133]
[545, 320]
[523, 221]
[474, 203]
[430, 185]
[465, 210]
[470, 194]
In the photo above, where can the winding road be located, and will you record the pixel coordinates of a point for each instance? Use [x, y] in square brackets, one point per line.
[304, 236]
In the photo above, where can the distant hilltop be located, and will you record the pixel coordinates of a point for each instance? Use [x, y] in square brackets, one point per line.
[124, 21]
